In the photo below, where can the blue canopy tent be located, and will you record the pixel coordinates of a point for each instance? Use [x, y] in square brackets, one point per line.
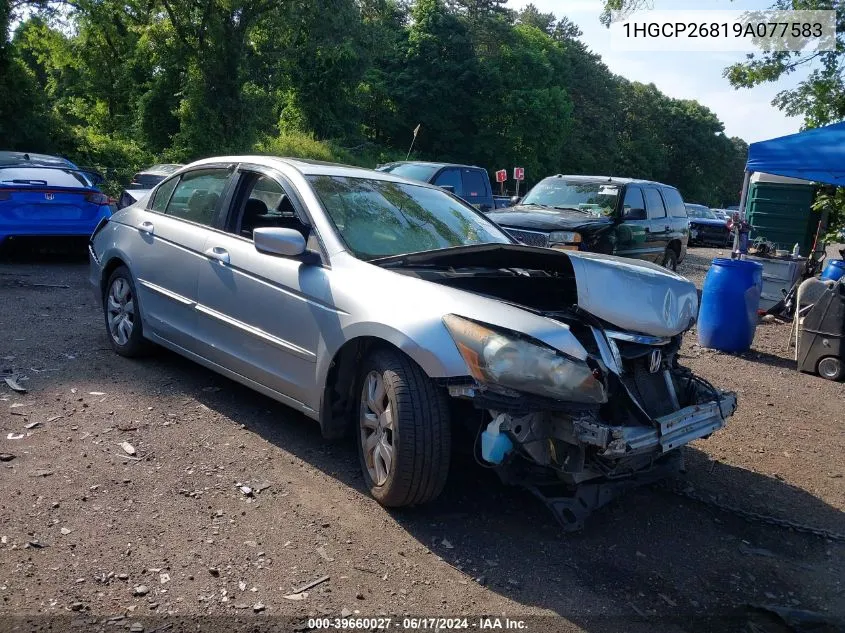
[817, 154]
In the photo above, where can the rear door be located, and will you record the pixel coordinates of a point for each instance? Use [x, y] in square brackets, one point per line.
[477, 188]
[659, 229]
[678, 220]
[166, 249]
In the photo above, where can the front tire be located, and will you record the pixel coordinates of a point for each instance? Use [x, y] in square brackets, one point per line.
[404, 432]
[670, 259]
[123, 316]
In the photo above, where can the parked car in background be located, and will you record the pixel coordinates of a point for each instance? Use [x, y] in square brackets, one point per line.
[145, 180]
[266, 273]
[705, 227]
[617, 216]
[468, 182]
[48, 196]
[722, 214]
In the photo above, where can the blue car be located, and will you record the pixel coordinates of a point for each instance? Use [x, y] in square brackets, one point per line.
[44, 195]
[705, 228]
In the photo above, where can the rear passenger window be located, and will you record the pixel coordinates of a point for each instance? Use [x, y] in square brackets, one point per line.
[197, 195]
[674, 203]
[450, 178]
[633, 207]
[474, 186]
[654, 204]
[162, 195]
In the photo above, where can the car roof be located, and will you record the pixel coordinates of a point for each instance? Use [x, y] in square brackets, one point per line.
[427, 163]
[608, 180]
[308, 167]
[34, 160]
[164, 169]
[697, 206]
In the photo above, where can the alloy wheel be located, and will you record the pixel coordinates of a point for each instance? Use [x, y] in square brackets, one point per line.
[377, 428]
[121, 311]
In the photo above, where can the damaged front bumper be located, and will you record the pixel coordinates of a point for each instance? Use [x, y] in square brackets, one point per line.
[575, 460]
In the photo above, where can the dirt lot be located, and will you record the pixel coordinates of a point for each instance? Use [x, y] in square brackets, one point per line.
[90, 533]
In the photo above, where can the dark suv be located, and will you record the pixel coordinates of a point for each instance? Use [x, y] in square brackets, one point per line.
[468, 182]
[617, 216]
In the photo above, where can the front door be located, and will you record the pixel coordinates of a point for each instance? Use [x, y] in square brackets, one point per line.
[259, 314]
[632, 232]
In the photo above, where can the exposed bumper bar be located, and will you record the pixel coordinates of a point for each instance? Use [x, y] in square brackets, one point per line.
[691, 423]
[672, 431]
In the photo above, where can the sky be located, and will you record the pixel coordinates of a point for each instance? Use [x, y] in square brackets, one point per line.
[746, 113]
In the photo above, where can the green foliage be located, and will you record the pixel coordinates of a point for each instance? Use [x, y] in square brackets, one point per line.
[118, 85]
[299, 145]
[832, 200]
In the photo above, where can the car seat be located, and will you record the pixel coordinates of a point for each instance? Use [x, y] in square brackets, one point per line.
[254, 211]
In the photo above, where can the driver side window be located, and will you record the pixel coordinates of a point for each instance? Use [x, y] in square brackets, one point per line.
[634, 204]
[266, 203]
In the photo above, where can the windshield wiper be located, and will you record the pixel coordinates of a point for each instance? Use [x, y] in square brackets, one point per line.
[27, 181]
[532, 204]
[584, 211]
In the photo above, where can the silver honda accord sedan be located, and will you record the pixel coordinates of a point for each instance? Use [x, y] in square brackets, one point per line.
[393, 311]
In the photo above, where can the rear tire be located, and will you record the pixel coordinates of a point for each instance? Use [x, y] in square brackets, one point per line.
[123, 316]
[670, 259]
[831, 368]
[404, 432]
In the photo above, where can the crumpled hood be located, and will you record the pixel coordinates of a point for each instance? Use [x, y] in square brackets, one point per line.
[634, 295]
[631, 294]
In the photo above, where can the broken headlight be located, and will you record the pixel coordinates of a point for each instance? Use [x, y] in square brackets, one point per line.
[517, 362]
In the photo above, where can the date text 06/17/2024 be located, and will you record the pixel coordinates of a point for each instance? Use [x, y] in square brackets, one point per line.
[417, 623]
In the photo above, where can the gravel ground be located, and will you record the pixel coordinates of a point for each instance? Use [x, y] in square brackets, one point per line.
[91, 533]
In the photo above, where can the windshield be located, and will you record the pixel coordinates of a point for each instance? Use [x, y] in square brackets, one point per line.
[414, 171]
[51, 176]
[377, 218]
[589, 197]
[696, 211]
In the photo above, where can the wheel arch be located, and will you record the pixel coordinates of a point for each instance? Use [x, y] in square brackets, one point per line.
[112, 264]
[338, 375]
[675, 245]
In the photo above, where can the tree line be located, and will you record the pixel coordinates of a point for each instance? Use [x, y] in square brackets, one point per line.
[124, 83]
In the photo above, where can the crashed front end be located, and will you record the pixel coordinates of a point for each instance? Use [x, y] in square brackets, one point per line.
[577, 431]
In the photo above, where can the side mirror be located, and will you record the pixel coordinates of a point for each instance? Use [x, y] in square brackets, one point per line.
[448, 188]
[515, 200]
[278, 241]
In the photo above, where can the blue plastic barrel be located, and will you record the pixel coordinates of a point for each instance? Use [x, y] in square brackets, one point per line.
[729, 301]
[834, 269]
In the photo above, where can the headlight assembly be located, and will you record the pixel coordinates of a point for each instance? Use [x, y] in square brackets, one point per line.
[510, 360]
[564, 237]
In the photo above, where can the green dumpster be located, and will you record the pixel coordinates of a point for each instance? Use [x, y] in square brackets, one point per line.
[778, 210]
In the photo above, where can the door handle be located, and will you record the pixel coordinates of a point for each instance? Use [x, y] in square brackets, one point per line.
[219, 253]
[146, 227]
[668, 229]
[647, 230]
